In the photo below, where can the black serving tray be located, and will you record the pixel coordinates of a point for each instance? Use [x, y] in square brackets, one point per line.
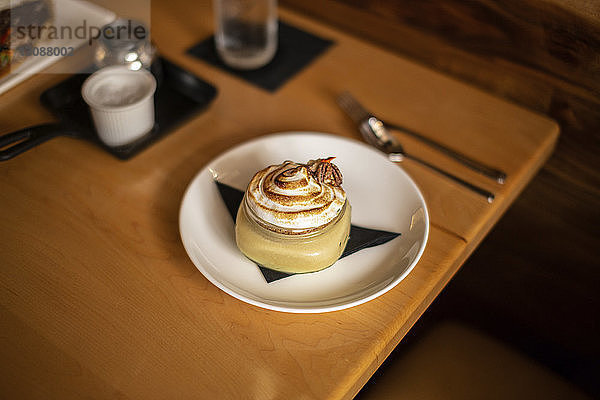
[179, 95]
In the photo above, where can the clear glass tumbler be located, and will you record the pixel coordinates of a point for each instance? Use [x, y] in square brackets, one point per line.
[246, 32]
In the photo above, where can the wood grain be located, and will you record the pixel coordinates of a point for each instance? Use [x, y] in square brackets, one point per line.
[534, 52]
[542, 54]
[550, 36]
[93, 270]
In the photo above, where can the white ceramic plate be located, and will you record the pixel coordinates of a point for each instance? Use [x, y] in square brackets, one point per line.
[382, 195]
[67, 13]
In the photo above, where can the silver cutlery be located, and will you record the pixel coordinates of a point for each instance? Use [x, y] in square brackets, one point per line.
[359, 114]
[375, 133]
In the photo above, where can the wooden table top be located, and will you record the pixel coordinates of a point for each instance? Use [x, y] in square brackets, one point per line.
[98, 297]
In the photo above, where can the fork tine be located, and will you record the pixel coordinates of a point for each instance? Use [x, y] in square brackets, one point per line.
[352, 107]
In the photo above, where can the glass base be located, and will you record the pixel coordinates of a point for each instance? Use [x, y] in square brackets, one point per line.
[292, 253]
[247, 60]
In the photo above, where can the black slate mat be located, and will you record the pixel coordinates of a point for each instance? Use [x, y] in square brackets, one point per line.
[296, 49]
[360, 238]
[179, 96]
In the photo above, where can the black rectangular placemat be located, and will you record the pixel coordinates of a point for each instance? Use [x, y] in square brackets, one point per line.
[179, 95]
[296, 49]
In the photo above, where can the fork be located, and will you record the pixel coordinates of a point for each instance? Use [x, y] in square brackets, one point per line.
[375, 133]
[359, 114]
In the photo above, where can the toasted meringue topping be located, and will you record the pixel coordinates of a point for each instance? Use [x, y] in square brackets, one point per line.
[289, 196]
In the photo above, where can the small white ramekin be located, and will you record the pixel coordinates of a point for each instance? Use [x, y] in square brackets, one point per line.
[120, 124]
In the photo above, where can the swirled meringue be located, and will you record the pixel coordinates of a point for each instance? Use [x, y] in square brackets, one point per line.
[288, 196]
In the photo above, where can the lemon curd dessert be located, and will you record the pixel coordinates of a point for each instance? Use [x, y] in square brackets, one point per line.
[294, 218]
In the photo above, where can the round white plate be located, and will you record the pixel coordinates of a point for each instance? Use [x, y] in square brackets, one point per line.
[382, 195]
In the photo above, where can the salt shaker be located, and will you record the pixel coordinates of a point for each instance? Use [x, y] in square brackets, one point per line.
[246, 32]
[125, 42]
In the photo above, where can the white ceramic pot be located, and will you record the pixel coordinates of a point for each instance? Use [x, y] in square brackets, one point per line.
[121, 102]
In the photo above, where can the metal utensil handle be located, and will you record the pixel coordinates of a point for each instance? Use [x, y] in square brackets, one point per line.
[496, 174]
[487, 194]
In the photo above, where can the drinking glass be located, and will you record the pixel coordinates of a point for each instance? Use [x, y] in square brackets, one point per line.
[246, 32]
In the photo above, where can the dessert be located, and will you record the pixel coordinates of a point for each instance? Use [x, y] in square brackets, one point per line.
[23, 23]
[294, 217]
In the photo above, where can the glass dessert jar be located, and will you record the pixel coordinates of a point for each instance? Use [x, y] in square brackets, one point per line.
[292, 252]
[294, 218]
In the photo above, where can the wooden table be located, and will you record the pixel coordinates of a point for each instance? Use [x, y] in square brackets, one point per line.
[98, 297]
